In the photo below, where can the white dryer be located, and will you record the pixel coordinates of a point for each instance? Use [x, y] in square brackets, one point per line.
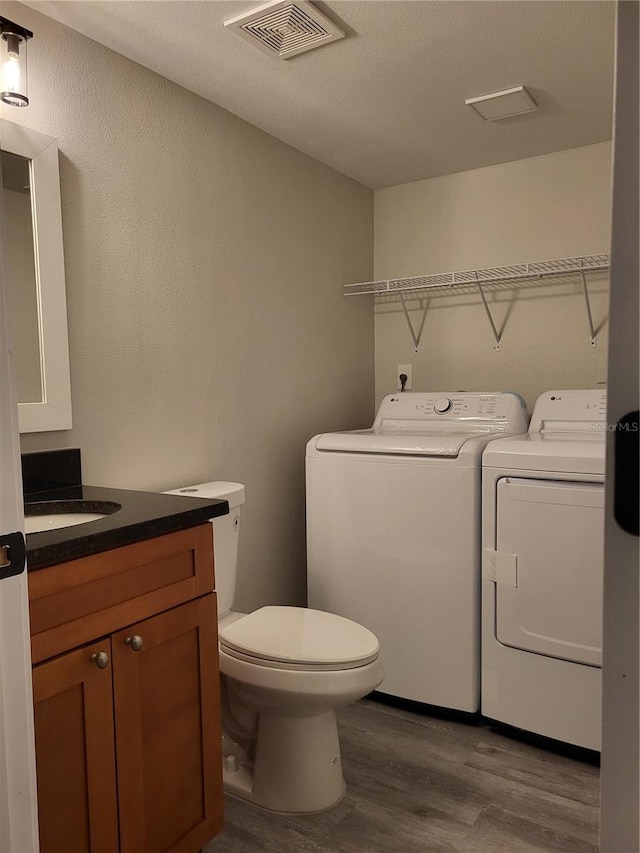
[393, 535]
[543, 559]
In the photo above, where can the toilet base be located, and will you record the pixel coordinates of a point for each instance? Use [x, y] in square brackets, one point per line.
[297, 767]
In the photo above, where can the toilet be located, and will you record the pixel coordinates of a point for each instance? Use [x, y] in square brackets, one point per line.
[284, 671]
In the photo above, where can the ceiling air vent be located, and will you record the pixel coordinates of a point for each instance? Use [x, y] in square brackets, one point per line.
[284, 29]
[503, 104]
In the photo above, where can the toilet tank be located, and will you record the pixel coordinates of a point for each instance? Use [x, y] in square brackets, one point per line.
[226, 530]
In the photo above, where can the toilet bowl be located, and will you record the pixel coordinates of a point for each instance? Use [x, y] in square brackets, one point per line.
[284, 671]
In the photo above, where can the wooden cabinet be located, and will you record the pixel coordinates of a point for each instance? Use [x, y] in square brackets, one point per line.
[75, 752]
[128, 726]
[168, 724]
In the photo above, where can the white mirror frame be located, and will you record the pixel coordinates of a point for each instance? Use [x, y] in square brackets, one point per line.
[54, 412]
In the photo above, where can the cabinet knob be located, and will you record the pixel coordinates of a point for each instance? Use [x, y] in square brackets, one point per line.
[135, 642]
[101, 659]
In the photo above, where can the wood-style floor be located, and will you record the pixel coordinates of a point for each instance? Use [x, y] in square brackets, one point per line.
[418, 783]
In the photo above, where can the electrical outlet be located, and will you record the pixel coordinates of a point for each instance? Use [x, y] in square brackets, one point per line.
[407, 369]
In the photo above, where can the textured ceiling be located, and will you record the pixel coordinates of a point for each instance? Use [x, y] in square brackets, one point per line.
[386, 104]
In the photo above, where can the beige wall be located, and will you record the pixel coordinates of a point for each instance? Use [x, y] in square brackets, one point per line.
[555, 206]
[209, 338]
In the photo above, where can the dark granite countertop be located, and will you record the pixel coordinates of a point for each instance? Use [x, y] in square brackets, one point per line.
[143, 515]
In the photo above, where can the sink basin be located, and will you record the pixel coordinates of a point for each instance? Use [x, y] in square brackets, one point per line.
[38, 523]
[53, 515]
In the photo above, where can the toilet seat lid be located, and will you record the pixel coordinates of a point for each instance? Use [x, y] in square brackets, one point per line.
[298, 635]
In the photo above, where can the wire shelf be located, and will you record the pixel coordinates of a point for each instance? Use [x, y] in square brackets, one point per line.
[495, 278]
[481, 282]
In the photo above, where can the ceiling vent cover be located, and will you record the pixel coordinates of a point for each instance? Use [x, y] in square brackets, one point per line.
[285, 28]
[503, 104]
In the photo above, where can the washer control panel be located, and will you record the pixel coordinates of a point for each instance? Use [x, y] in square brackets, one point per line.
[451, 406]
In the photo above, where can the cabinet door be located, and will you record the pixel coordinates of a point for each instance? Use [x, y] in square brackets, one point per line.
[167, 712]
[75, 753]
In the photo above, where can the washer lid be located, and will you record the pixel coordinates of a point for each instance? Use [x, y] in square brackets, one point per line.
[301, 636]
[367, 441]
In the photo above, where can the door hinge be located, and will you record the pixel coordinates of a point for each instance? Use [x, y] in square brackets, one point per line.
[13, 554]
[626, 465]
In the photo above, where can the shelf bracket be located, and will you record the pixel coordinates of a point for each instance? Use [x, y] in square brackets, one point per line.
[592, 331]
[494, 329]
[415, 336]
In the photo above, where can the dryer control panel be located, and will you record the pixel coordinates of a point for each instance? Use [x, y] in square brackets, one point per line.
[569, 411]
[453, 407]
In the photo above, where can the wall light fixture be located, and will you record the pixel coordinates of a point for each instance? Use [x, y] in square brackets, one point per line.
[13, 63]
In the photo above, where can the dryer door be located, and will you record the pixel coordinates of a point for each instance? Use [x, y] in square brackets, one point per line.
[552, 602]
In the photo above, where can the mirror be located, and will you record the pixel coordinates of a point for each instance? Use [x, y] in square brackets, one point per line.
[34, 276]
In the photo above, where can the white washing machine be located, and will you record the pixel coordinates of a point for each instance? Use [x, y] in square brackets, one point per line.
[393, 535]
[543, 559]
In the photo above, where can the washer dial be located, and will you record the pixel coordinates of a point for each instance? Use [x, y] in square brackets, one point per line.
[442, 406]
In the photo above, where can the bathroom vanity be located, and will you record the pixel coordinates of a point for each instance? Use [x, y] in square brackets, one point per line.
[125, 678]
